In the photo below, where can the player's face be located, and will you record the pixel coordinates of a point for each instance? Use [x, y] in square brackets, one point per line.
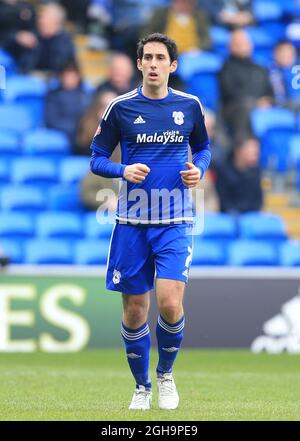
[156, 65]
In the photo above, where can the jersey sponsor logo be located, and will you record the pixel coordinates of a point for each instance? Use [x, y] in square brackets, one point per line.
[172, 349]
[139, 120]
[163, 138]
[116, 277]
[133, 355]
[178, 118]
[282, 332]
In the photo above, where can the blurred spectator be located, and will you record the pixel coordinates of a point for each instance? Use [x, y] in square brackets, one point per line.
[207, 184]
[231, 13]
[238, 179]
[65, 105]
[92, 183]
[211, 200]
[89, 188]
[77, 12]
[121, 77]
[182, 22]
[128, 19]
[90, 121]
[281, 75]
[244, 84]
[15, 16]
[216, 137]
[100, 20]
[50, 48]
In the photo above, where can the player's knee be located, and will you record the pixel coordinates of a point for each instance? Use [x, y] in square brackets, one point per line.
[135, 314]
[171, 310]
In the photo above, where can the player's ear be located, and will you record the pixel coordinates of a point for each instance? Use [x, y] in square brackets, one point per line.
[139, 64]
[173, 66]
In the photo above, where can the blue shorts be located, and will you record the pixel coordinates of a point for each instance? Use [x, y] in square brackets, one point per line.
[136, 253]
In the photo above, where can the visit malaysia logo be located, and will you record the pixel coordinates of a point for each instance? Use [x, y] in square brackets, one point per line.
[164, 138]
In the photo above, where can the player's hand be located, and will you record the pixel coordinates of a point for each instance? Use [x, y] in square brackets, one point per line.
[136, 173]
[192, 176]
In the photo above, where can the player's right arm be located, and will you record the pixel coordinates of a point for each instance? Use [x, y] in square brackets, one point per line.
[104, 142]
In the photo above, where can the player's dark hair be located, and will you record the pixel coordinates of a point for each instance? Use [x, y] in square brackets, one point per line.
[158, 38]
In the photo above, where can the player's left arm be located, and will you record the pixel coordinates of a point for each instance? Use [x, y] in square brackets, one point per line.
[199, 143]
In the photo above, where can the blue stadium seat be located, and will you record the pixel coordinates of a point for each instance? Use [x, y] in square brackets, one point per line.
[74, 168]
[260, 38]
[50, 142]
[290, 7]
[16, 118]
[206, 87]
[12, 249]
[28, 91]
[59, 225]
[98, 226]
[220, 37]
[16, 225]
[264, 10]
[262, 226]
[9, 143]
[275, 148]
[263, 57]
[208, 253]
[25, 198]
[219, 226]
[48, 252]
[20, 86]
[272, 118]
[294, 151]
[91, 252]
[64, 197]
[192, 63]
[289, 253]
[252, 253]
[276, 28]
[38, 171]
[4, 171]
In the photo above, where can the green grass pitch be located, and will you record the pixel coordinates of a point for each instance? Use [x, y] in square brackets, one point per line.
[97, 385]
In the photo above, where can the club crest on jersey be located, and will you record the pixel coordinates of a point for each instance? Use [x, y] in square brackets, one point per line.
[178, 118]
[116, 277]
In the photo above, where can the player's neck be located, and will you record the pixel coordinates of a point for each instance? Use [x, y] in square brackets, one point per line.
[155, 92]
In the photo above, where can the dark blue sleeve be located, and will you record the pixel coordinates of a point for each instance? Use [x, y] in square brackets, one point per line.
[102, 166]
[199, 141]
[105, 140]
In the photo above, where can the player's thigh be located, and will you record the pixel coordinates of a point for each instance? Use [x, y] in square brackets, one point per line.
[172, 249]
[169, 294]
[130, 267]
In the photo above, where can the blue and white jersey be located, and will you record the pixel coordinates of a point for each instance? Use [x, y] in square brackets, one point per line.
[155, 132]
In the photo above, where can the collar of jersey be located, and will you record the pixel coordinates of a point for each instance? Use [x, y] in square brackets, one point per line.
[155, 99]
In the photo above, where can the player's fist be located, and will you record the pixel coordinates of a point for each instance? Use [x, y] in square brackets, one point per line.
[136, 173]
[192, 176]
